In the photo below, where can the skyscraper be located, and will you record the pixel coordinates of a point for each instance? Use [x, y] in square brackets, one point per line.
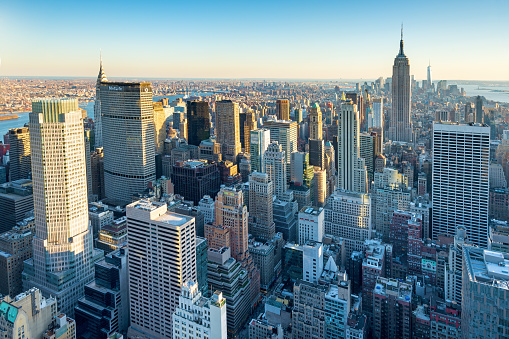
[479, 112]
[162, 257]
[261, 219]
[430, 80]
[401, 124]
[274, 165]
[62, 260]
[19, 153]
[198, 122]
[283, 109]
[378, 113]
[98, 132]
[249, 124]
[315, 123]
[260, 140]
[285, 133]
[128, 139]
[227, 129]
[461, 157]
[352, 173]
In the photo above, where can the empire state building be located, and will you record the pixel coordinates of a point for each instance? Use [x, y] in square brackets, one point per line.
[401, 124]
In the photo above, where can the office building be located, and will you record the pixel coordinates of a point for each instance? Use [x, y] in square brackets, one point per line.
[226, 275]
[247, 124]
[392, 317]
[28, 315]
[199, 317]
[312, 261]
[378, 113]
[63, 250]
[157, 273]
[285, 133]
[97, 171]
[99, 216]
[368, 150]
[274, 164]
[259, 142]
[401, 123]
[128, 139]
[194, 179]
[160, 127]
[484, 310]
[98, 131]
[104, 309]
[201, 264]
[227, 129]
[377, 256]
[311, 224]
[348, 215]
[198, 122]
[16, 200]
[445, 319]
[352, 172]
[479, 110]
[267, 257]
[15, 248]
[285, 220]
[207, 206]
[112, 236]
[315, 123]
[301, 172]
[210, 150]
[319, 187]
[460, 192]
[429, 78]
[317, 153]
[19, 154]
[261, 220]
[298, 115]
[261, 328]
[283, 109]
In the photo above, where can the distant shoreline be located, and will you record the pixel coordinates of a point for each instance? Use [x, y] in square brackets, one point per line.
[5, 116]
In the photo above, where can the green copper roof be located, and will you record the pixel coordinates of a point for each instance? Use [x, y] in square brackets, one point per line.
[316, 105]
[9, 312]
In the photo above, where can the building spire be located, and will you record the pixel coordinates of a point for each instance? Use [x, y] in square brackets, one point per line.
[102, 76]
[401, 42]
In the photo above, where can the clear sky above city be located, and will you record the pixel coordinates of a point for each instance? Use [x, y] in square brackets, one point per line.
[465, 40]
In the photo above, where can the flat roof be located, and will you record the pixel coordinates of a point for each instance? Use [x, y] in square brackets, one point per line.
[174, 219]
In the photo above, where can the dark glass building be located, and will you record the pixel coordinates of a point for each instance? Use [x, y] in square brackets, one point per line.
[198, 122]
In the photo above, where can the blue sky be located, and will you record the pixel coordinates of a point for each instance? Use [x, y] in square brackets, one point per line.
[254, 39]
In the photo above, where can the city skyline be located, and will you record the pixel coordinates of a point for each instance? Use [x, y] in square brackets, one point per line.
[324, 42]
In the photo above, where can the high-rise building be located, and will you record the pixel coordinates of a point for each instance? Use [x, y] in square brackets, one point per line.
[274, 164]
[98, 131]
[207, 206]
[16, 200]
[461, 157]
[479, 110]
[298, 115]
[63, 249]
[311, 224]
[315, 123]
[368, 150]
[301, 170]
[104, 309]
[261, 220]
[198, 122]
[484, 294]
[15, 248]
[19, 154]
[429, 78]
[160, 127]
[348, 215]
[128, 139]
[317, 153]
[249, 124]
[283, 109]
[352, 173]
[259, 142]
[401, 124]
[194, 179]
[392, 316]
[225, 274]
[285, 133]
[157, 272]
[227, 129]
[199, 317]
[378, 113]
[319, 187]
[97, 171]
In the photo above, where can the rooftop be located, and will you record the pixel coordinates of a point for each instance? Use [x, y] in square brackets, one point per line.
[174, 219]
[311, 210]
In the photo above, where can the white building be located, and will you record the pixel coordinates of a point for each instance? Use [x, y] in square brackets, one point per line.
[497, 177]
[312, 255]
[378, 113]
[274, 164]
[461, 158]
[259, 140]
[63, 253]
[311, 224]
[199, 317]
[352, 172]
[285, 133]
[348, 215]
[162, 256]
[206, 205]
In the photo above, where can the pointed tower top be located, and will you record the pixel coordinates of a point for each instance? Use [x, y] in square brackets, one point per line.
[401, 53]
[102, 76]
[429, 65]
